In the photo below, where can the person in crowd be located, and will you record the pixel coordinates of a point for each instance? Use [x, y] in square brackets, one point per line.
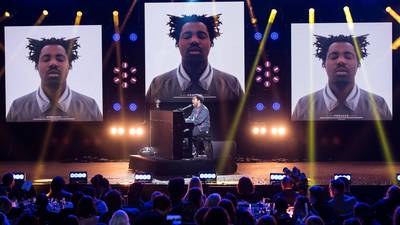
[246, 191]
[341, 203]
[266, 220]
[364, 214]
[319, 201]
[230, 209]
[216, 215]
[86, 211]
[176, 190]
[384, 208]
[288, 192]
[213, 200]
[119, 218]
[57, 189]
[314, 220]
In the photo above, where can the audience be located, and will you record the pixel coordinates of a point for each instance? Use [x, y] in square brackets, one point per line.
[100, 204]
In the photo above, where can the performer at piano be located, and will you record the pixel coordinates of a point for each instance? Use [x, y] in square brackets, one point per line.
[200, 117]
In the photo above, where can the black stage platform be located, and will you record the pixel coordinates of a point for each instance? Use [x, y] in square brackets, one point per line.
[187, 167]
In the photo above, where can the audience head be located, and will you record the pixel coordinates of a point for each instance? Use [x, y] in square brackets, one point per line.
[317, 194]
[86, 207]
[176, 188]
[57, 184]
[195, 182]
[346, 183]
[232, 197]
[199, 216]
[287, 183]
[213, 200]
[336, 187]
[245, 186]
[155, 194]
[134, 193]
[195, 196]
[393, 193]
[71, 220]
[363, 212]
[244, 217]
[314, 220]
[113, 200]
[266, 220]
[76, 197]
[162, 204]
[230, 209]
[301, 207]
[216, 215]
[8, 180]
[119, 218]
[41, 201]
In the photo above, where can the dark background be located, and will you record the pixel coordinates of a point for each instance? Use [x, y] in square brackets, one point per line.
[335, 140]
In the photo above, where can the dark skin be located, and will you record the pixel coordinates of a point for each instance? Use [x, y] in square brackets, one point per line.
[53, 67]
[194, 45]
[341, 66]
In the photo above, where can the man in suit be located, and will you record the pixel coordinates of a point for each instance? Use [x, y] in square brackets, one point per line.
[200, 117]
[194, 36]
[53, 100]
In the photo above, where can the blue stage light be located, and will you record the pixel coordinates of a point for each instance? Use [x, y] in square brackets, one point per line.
[133, 107]
[257, 36]
[260, 106]
[274, 36]
[133, 37]
[116, 37]
[117, 107]
[276, 106]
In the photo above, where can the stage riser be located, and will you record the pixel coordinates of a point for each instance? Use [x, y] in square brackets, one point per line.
[165, 168]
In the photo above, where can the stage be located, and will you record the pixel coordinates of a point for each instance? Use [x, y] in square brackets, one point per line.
[364, 173]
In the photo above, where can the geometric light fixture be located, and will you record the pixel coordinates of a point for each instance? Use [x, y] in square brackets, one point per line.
[124, 75]
[267, 74]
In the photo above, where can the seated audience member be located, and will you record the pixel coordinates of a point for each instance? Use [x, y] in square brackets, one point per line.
[101, 206]
[156, 216]
[192, 204]
[280, 212]
[245, 190]
[213, 200]
[266, 220]
[244, 217]
[176, 190]
[194, 182]
[385, 207]
[7, 185]
[341, 203]
[149, 204]
[216, 216]
[135, 196]
[119, 218]
[113, 200]
[318, 200]
[199, 216]
[302, 209]
[57, 189]
[314, 220]
[364, 214]
[233, 198]
[86, 211]
[288, 192]
[347, 185]
[230, 209]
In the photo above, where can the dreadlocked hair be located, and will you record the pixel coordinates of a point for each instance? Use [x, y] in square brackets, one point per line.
[212, 23]
[322, 44]
[70, 45]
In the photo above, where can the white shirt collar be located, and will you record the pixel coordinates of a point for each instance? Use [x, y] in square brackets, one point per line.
[331, 101]
[63, 102]
[184, 78]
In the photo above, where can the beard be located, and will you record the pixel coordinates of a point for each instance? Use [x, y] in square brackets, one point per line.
[342, 83]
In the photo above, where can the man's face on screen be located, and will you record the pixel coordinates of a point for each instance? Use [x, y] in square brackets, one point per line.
[341, 63]
[53, 66]
[194, 41]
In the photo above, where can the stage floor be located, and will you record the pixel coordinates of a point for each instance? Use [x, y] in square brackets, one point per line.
[364, 173]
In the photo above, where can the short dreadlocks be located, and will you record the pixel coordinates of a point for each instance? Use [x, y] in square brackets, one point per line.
[70, 45]
[322, 44]
[212, 23]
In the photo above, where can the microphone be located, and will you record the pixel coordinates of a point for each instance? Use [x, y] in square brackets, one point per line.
[183, 109]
